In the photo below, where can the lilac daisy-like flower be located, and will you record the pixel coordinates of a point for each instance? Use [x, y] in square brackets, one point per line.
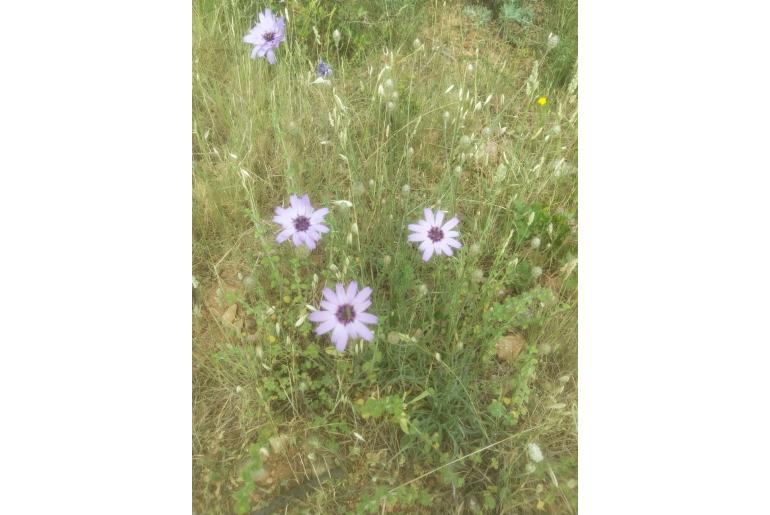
[300, 222]
[433, 236]
[344, 314]
[323, 69]
[266, 35]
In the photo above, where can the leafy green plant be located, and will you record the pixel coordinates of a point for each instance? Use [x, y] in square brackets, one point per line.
[512, 10]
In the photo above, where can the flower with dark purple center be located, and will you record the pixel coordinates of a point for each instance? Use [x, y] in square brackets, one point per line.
[434, 235]
[300, 222]
[323, 69]
[344, 314]
[266, 35]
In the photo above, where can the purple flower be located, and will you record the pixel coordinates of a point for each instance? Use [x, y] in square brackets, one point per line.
[433, 236]
[266, 35]
[323, 69]
[344, 314]
[300, 221]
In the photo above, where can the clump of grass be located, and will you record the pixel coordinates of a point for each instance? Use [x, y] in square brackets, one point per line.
[479, 14]
[428, 414]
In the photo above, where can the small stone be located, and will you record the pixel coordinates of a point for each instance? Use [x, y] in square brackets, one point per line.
[250, 282]
[228, 316]
[509, 347]
[261, 476]
[277, 443]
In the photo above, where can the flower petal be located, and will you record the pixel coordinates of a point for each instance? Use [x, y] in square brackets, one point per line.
[321, 316]
[282, 219]
[362, 306]
[341, 294]
[340, 337]
[366, 318]
[362, 296]
[429, 216]
[352, 290]
[428, 252]
[320, 228]
[450, 224]
[325, 327]
[270, 56]
[419, 228]
[453, 243]
[330, 296]
[329, 306]
[440, 217]
[318, 215]
[284, 235]
[362, 330]
[417, 236]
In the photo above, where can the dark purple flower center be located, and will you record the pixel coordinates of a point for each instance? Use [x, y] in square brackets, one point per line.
[346, 314]
[301, 223]
[268, 36]
[435, 234]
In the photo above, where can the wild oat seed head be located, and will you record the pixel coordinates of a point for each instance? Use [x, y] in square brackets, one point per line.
[553, 41]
